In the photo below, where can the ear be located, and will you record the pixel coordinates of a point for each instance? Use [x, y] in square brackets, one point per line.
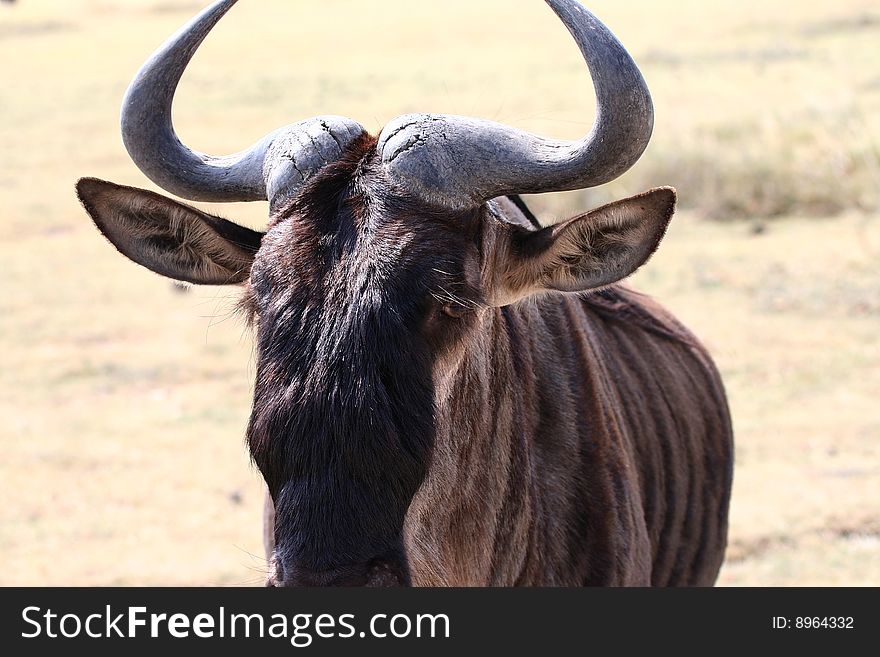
[167, 237]
[590, 251]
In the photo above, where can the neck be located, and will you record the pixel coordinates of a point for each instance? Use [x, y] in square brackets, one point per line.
[521, 489]
[478, 492]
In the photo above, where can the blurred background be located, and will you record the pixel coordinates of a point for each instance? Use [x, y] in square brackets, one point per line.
[124, 398]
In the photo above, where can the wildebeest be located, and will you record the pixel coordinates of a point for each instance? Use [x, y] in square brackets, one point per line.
[447, 392]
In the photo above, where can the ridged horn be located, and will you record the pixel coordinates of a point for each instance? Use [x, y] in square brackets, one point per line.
[461, 162]
[272, 169]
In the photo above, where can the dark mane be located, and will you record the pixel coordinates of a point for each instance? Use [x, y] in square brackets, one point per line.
[342, 425]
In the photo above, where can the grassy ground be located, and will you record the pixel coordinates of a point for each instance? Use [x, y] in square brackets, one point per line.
[124, 401]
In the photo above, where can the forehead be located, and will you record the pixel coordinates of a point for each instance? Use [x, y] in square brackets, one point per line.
[349, 227]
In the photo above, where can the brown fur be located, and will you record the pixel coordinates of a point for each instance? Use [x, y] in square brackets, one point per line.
[431, 409]
[579, 448]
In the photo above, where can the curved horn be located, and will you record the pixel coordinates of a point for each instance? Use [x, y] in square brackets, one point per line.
[461, 162]
[272, 169]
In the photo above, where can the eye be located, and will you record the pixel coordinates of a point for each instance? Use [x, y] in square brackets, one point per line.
[454, 310]
[452, 300]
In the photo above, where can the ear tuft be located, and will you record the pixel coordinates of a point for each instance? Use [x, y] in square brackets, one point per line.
[592, 250]
[658, 202]
[611, 242]
[665, 197]
[87, 188]
[167, 237]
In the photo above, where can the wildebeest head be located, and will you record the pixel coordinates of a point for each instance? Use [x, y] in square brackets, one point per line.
[382, 259]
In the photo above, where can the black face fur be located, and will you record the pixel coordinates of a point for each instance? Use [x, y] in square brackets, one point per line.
[354, 292]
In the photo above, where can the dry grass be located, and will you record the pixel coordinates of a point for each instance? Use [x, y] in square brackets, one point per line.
[124, 401]
[792, 316]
